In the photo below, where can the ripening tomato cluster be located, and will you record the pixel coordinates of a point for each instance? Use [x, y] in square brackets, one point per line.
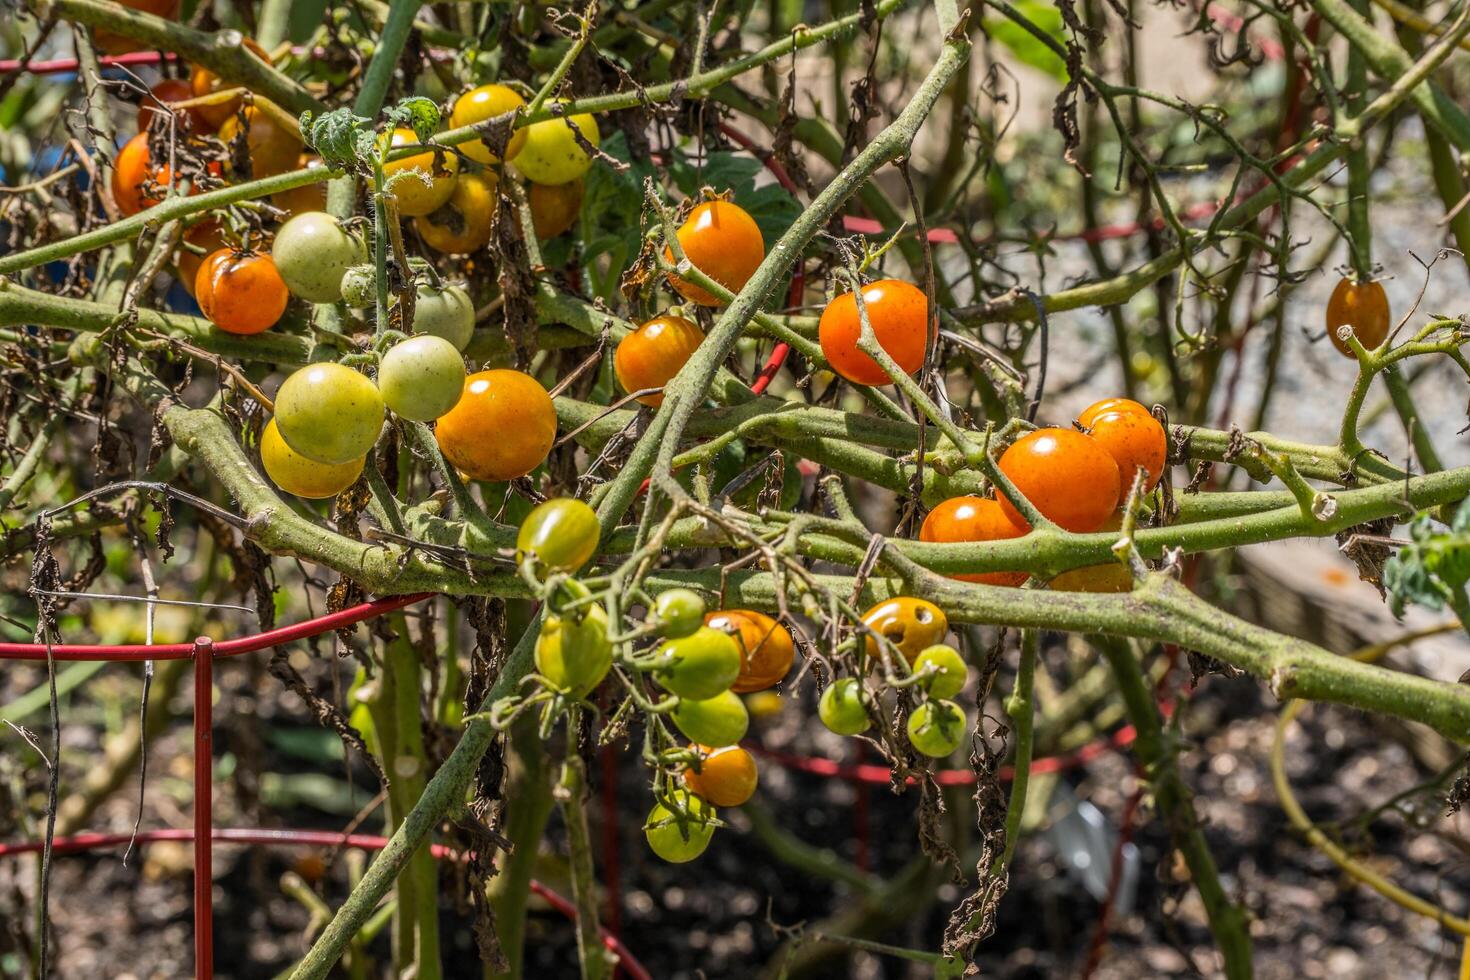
[1076, 479]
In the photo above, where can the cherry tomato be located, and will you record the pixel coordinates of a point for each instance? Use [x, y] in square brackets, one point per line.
[561, 533]
[551, 154]
[205, 82]
[464, 222]
[842, 709]
[717, 722]
[1362, 306]
[574, 653]
[764, 705]
[1135, 442]
[936, 728]
[650, 356]
[678, 612]
[951, 670]
[422, 377]
[555, 207]
[726, 777]
[159, 102]
[273, 149]
[130, 171]
[766, 650]
[698, 666]
[678, 843]
[329, 412]
[909, 624]
[207, 235]
[479, 104]
[1066, 475]
[312, 252]
[417, 196]
[241, 293]
[302, 477]
[1097, 409]
[444, 312]
[111, 42]
[310, 197]
[724, 242]
[899, 315]
[1112, 577]
[960, 519]
[502, 428]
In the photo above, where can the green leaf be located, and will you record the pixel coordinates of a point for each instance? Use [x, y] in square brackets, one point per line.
[336, 136]
[417, 113]
[1023, 44]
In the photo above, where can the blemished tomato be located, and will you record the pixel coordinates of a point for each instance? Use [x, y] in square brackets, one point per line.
[650, 356]
[766, 650]
[561, 533]
[111, 42]
[841, 707]
[555, 207]
[1362, 306]
[726, 777]
[329, 412]
[717, 722]
[312, 252]
[479, 104]
[677, 843]
[1112, 577]
[417, 196]
[724, 242]
[960, 519]
[551, 154]
[207, 235]
[936, 728]
[1067, 476]
[951, 670]
[1135, 442]
[1107, 405]
[464, 222]
[698, 666]
[910, 624]
[575, 654]
[157, 103]
[272, 148]
[899, 315]
[241, 292]
[422, 377]
[130, 171]
[311, 197]
[678, 612]
[302, 477]
[205, 82]
[503, 427]
[444, 312]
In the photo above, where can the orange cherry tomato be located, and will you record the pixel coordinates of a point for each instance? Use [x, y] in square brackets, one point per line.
[1362, 306]
[207, 235]
[502, 428]
[1110, 405]
[766, 650]
[1066, 475]
[111, 42]
[724, 242]
[479, 104]
[130, 171]
[1135, 441]
[273, 149]
[972, 519]
[650, 356]
[726, 777]
[463, 223]
[240, 292]
[899, 314]
[555, 207]
[158, 102]
[300, 200]
[204, 82]
[912, 625]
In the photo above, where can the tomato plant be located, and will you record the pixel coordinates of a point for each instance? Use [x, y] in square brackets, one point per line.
[1362, 306]
[843, 707]
[241, 292]
[650, 356]
[555, 207]
[573, 651]
[949, 670]
[463, 223]
[937, 728]
[159, 102]
[551, 153]
[678, 612]
[269, 145]
[676, 841]
[425, 181]
[898, 313]
[698, 666]
[724, 242]
[718, 721]
[1068, 477]
[444, 312]
[1136, 441]
[204, 82]
[502, 427]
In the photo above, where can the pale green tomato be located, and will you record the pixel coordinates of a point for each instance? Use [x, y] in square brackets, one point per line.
[551, 154]
[329, 413]
[715, 723]
[446, 313]
[312, 252]
[360, 286]
[422, 377]
[841, 707]
[698, 666]
[936, 728]
[674, 843]
[678, 612]
[575, 655]
[950, 679]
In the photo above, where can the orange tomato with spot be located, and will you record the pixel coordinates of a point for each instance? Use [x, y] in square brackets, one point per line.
[1067, 476]
[899, 315]
[724, 242]
[961, 519]
[726, 777]
[650, 356]
[766, 648]
[1362, 306]
[240, 292]
[912, 625]
[502, 428]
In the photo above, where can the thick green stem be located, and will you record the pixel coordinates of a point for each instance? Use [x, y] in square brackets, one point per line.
[528, 783]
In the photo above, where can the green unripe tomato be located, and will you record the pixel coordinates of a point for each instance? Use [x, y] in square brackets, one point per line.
[574, 654]
[698, 666]
[422, 378]
[841, 707]
[359, 286]
[715, 722]
[312, 252]
[677, 844]
[551, 154]
[329, 413]
[446, 313]
[678, 612]
[561, 533]
[951, 666]
[936, 728]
